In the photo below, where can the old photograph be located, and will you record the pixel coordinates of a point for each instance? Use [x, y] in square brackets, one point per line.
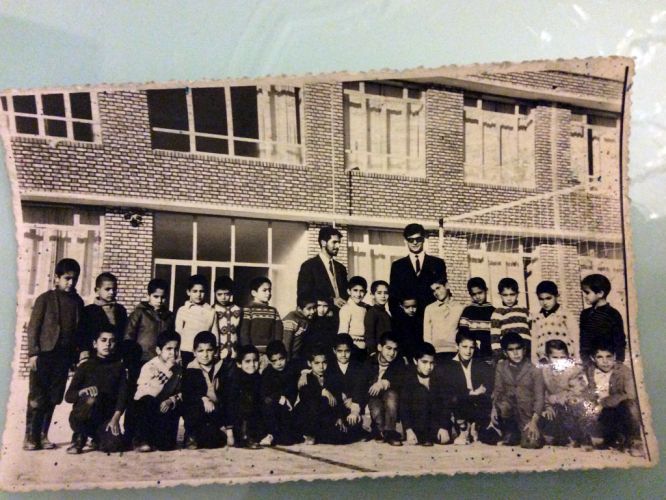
[326, 276]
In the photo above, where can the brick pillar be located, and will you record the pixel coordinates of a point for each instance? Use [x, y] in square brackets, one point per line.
[128, 253]
[457, 265]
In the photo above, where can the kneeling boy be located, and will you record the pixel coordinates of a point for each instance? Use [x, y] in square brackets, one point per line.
[98, 392]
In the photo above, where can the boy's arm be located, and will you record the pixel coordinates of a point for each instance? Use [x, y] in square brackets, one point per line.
[35, 325]
[278, 327]
[345, 319]
[290, 327]
[573, 330]
[77, 383]
[624, 387]
[244, 337]
[619, 338]
[539, 391]
[123, 392]
[179, 325]
[370, 327]
[133, 324]
[498, 389]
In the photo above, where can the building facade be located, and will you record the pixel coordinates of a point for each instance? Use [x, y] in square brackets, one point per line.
[512, 174]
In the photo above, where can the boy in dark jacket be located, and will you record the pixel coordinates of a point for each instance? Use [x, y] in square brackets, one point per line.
[297, 326]
[324, 327]
[99, 393]
[377, 320]
[203, 410]
[53, 343]
[476, 317]
[278, 396]
[407, 325]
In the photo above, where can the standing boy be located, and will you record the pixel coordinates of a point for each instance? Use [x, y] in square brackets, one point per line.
[377, 320]
[518, 396]
[408, 327]
[52, 348]
[227, 316]
[261, 322]
[476, 317]
[195, 316]
[601, 322]
[553, 322]
[297, 326]
[352, 315]
[440, 322]
[509, 318]
[99, 393]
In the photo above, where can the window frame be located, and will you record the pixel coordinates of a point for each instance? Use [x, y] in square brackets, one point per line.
[485, 179]
[41, 117]
[229, 137]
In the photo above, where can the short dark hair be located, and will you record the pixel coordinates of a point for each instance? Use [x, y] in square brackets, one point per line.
[376, 284]
[509, 283]
[476, 282]
[204, 337]
[602, 345]
[547, 286]
[99, 331]
[326, 233]
[357, 281]
[323, 297]
[424, 349]
[224, 283]
[388, 336]
[157, 284]
[413, 229]
[244, 350]
[163, 338]
[556, 345]
[465, 334]
[101, 278]
[343, 339]
[316, 350]
[275, 347]
[304, 300]
[409, 296]
[197, 279]
[511, 338]
[67, 266]
[440, 280]
[597, 283]
[258, 281]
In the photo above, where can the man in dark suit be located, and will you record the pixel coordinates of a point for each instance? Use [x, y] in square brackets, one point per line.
[322, 275]
[412, 276]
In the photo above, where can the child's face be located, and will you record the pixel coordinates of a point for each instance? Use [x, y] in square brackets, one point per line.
[223, 297]
[592, 297]
[509, 297]
[478, 295]
[466, 349]
[197, 294]
[356, 293]
[515, 353]
[342, 353]
[249, 364]
[409, 306]
[322, 308]
[107, 291]
[578, 384]
[415, 242]
[263, 294]
[604, 360]
[67, 281]
[170, 352]
[105, 344]
[157, 298]
[278, 361]
[381, 295]
[309, 310]
[439, 291]
[558, 358]
[547, 301]
[388, 351]
[318, 365]
[204, 354]
[425, 365]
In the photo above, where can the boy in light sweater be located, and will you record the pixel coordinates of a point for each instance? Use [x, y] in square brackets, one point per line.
[440, 321]
[352, 316]
[195, 316]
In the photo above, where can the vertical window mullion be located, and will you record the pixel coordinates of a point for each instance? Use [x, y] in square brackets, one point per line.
[41, 126]
[68, 117]
[233, 247]
[172, 286]
[195, 263]
[97, 133]
[230, 123]
[190, 119]
[10, 113]
[269, 238]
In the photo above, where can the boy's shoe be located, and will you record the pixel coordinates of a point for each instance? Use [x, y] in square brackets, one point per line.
[309, 440]
[267, 441]
[74, 450]
[46, 444]
[473, 433]
[144, 448]
[463, 438]
[30, 445]
[191, 444]
[637, 449]
[374, 435]
[392, 438]
[425, 443]
[78, 442]
[251, 444]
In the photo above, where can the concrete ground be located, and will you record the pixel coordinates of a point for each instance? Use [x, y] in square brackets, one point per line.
[53, 469]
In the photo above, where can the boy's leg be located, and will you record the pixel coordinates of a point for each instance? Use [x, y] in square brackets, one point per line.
[376, 409]
[146, 429]
[508, 422]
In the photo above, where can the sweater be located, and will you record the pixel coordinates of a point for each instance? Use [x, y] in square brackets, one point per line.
[191, 319]
[376, 322]
[228, 320]
[100, 317]
[275, 384]
[296, 328]
[409, 331]
[476, 319]
[352, 318]
[557, 324]
[440, 324]
[145, 324]
[110, 378]
[261, 324]
[509, 319]
[601, 324]
[159, 380]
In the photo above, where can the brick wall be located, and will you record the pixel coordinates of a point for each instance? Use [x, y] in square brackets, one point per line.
[457, 265]
[314, 248]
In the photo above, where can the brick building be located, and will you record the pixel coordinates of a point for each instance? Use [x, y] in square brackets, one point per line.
[513, 173]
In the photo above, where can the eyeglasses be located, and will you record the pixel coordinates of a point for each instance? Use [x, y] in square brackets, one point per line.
[417, 239]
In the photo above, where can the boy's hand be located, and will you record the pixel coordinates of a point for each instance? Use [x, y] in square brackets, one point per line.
[230, 437]
[339, 302]
[331, 399]
[208, 405]
[303, 379]
[32, 363]
[443, 436]
[167, 405]
[377, 387]
[353, 418]
[549, 413]
[114, 424]
[410, 437]
[478, 391]
[90, 392]
[341, 425]
[284, 401]
[532, 428]
[493, 417]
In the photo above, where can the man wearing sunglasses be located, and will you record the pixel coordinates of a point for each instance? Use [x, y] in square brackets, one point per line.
[412, 276]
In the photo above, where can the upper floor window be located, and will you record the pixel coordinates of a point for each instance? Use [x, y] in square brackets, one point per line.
[499, 142]
[257, 122]
[67, 115]
[384, 129]
[595, 150]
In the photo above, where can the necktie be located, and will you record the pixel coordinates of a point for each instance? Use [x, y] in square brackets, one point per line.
[335, 281]
[418, 265]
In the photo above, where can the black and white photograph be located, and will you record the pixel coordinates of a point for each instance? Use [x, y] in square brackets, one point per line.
[327, 276]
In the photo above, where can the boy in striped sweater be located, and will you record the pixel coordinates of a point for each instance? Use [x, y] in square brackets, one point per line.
[476, 317]
[261, 322]
[510, 317]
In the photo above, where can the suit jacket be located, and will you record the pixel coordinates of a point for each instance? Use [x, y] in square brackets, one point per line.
[351, 384]
[620, 387]
[404, 281]
[44, 325]
[313, 279]
[455, 385]
[524, 384]
[415, 399]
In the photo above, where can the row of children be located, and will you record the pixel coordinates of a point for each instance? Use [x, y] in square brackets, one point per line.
[55, 334]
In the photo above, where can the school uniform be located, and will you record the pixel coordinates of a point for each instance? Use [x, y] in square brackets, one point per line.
[409, 332]
[377, 321]
[279, 418]
[349, 382]
[406, 282]
[103, 316]
[422, 407]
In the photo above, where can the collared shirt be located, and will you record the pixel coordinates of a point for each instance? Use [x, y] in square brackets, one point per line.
[343, 368]
[424, 381]
[412, 259]
[467, 371]
[191, 319]
[602, 382]
[327, 260]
